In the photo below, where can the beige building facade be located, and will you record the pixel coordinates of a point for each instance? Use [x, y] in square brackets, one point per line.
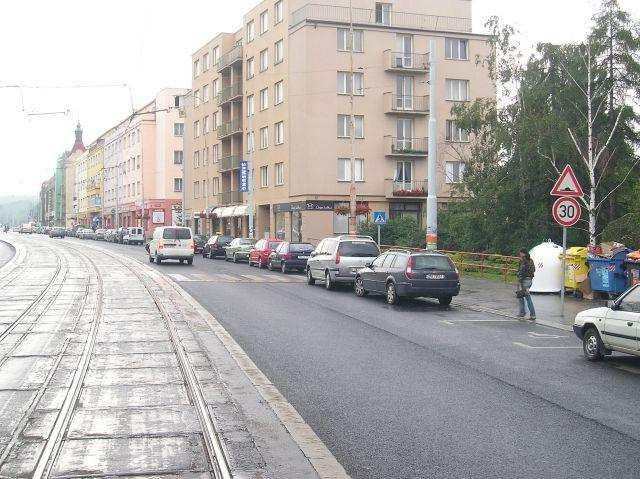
[287, 92]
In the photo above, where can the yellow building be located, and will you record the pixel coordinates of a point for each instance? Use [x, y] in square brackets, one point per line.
[94, 189]
[80, 203]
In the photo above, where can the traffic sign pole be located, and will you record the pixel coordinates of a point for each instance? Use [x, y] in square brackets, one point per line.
[564, 269]
[378, 236]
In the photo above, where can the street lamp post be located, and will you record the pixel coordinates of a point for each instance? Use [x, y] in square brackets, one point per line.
[432, 155]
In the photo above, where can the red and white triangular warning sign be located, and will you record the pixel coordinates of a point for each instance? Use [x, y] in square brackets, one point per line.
[567, 184]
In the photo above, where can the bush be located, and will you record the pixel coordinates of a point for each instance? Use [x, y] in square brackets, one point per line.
[397, 232]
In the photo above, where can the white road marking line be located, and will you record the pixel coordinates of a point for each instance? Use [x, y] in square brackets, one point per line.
[528, 346]
[226, 277]
[200, 277]
[535, 335]
[444, 321]
[485, 321]
[179, 277]
[629, 369]
[280, 278]
[259, 279]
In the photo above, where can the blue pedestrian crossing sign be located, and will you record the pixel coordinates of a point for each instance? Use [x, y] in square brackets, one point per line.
[380, 217]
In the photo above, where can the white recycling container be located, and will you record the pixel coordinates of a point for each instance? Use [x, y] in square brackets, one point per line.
[548, 277]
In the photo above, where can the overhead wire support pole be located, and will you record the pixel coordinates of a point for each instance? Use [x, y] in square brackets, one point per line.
[353, 226]
[432, 154]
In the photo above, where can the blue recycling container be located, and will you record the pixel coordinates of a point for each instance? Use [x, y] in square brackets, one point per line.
[608, 275]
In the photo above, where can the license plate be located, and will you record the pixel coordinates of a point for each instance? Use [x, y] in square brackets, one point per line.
[354, 270]
[434, 276]
[303, 257]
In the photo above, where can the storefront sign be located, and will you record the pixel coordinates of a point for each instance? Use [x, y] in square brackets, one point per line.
[157, 217]
[309, 205]
[244, 176]
[319, 205]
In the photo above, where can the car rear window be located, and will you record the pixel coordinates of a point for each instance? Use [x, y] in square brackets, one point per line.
[358, 249]
[274, 244]
[246, 241]
[225, 239]
[440, 263]
[300, 247]
[176, 233]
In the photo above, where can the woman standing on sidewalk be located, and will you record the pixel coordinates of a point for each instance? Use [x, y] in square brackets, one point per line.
[526, 271]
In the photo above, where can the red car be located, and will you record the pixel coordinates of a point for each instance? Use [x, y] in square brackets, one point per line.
[259, 255]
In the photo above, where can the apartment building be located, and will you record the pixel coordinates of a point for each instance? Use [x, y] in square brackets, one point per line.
[88, 185]
[142, 177]
[296, 105]
[66, 200]
[47, 201]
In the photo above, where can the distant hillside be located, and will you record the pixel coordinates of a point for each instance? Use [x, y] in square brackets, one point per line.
[15, 210]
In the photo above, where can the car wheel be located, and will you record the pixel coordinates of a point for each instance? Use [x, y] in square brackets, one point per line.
[358, 287]
[328, 282]
[310, 279]
[158, 260]
[445, 300]
[190, 261]
[150, 259]
[270, 265]
[392, 293]
[592, 345]
[181, 261]
[235, 258]
[283, 268]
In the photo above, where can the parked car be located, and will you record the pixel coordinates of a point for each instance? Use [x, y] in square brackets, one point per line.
[200, 241]
[239, 249]
[612, 328]
[26, 228]
[88, 233]
[133, 235]
[119, 235]
[215, 246]
[99, 234]
[259, 254]
[338, 259]
[57, 232]
[108, 235]
[288, 256]
[406, 274]
[171, 242]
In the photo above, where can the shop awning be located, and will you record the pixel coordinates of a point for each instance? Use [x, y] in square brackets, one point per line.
[217, 211]
[242, 210]
[227, 212]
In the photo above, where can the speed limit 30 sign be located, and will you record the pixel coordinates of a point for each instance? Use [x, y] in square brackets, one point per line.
[566, 211]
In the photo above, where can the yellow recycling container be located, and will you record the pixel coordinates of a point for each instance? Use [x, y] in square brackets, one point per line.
[576, 267]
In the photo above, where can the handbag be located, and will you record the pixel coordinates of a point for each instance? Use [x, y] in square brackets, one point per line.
[520, 294]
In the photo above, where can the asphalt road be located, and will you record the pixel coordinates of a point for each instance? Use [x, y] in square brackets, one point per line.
[415, 390]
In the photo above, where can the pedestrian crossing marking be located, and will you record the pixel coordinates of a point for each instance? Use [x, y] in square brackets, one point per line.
[178, 277]
[260, 279]
[228, 278]
[528, 346]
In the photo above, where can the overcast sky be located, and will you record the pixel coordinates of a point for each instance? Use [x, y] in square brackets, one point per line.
[147, 45]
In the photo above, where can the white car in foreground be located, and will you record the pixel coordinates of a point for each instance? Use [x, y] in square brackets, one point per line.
[612, 328]
[171, 242]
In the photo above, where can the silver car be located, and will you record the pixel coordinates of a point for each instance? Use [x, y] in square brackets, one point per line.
[338, 259]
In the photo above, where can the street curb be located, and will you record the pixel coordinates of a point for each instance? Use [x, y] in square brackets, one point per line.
[17, 259]
[311, 446]
[496, 312]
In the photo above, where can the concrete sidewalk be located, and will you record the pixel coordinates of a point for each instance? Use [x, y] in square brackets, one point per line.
[499, 298]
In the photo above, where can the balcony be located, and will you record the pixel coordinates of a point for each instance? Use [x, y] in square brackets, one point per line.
[230, 128]
[229, 163]
[230, 93]
[362, 16]
[407, 146]
[228, 59]
[405, 189]
[229, 198]
[406, 105]
[406, 62]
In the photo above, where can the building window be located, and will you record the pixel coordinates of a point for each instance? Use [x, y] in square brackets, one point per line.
[215, 85]
[205, 124]
[279, 133]
[264, 176]
[279, 174]
[264, 137]
[264, 99]
[404, 172]
[279, 92]
[216, 55]
[177, 185]
[196, 189]
[344, 169]
[250, 106]
[196, 68]
[457, 90]
[205, 93]
[278, 52]
[279, 11]
[358, 125]
[264, 22]
[178, 157]
[251, 31]
[383, 13]
[205, 62]
[264, 60]
[454, 171]
[196, 98]
[344, 45]
[215, 186]
[250, 68]
[456, 49]
[344, 126]
[250, 144]
[177, 101]
[345, 83]
[196, 129]
[215, 152]
[216, 119]
[456, 134]
[196, 159]
[178, 129]
[205, 156]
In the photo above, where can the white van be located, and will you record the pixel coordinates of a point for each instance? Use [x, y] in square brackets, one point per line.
[171, 242]
[133, 235]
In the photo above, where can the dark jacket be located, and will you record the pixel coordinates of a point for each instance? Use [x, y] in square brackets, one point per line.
[526, 269]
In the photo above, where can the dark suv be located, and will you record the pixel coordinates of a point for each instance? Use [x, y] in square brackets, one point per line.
[399, 274]
[215, 247]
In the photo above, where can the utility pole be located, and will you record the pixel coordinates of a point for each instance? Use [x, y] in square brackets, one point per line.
[353, 223]
[432, 155]
[250, 169]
